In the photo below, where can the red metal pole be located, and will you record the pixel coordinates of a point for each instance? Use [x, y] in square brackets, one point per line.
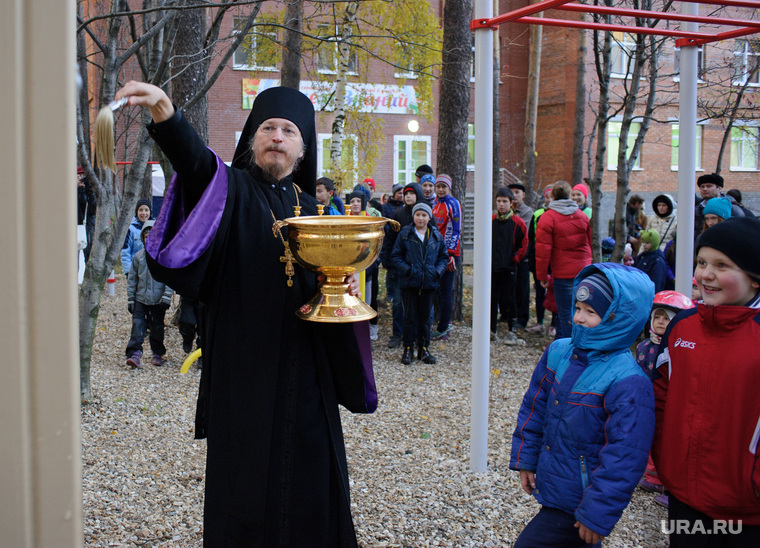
[605, 26]
[659, 15]
[512, 15]
[706, 39]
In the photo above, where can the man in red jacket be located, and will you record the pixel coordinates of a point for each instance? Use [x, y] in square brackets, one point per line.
[563, 248]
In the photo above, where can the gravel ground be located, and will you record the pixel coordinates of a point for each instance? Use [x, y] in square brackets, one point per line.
[143, 473]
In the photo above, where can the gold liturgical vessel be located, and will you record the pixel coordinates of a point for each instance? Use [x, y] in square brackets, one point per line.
[336, 246]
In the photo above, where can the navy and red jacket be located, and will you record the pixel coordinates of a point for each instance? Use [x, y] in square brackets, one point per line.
[707, 392]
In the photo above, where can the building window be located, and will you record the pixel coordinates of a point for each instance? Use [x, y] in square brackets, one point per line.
[405, 59]
[622, 51]
[409, 151]
[746, 57]
[744, 147]
[328, 53]
[700, 63]
[674, 147]
[349, 152]
[470, 147]
[613, 144]
[258, 51]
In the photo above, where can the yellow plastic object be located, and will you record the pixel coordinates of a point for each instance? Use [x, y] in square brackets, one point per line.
[189, 361]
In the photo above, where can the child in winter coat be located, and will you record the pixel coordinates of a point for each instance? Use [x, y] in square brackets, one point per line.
[666, 305]
[586, 422]
[420, 258]
[651, 260]
[147, 301]
[707, 381]
[133, 242]
[509, 243]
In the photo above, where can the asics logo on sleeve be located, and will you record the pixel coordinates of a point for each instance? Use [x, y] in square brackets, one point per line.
[684, 344]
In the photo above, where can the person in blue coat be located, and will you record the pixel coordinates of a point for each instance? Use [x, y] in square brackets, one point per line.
[586, 423]
[133, 242]
[420, 257]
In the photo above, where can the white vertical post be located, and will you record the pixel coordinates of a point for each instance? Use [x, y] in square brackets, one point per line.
[482, 241]
[41, 479]
[687, 143]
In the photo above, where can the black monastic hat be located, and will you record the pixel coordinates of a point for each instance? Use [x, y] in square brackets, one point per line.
[290, 104]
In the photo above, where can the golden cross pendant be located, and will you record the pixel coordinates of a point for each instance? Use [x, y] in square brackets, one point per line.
[288, 260]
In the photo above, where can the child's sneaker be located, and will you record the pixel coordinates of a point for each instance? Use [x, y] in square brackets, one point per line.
[537, 329]
[511, 339]
[424, 355]
[134, 359]
[662, 500]
[553, 331]
[158, 361]
[373, 332]
[651, 487]
[440, 335]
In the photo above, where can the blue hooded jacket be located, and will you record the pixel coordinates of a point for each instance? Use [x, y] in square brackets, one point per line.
[587, 420]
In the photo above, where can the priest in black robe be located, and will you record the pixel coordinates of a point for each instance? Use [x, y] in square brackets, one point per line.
[276, 471]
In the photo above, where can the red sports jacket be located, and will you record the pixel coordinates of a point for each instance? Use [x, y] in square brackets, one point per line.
[707, 392]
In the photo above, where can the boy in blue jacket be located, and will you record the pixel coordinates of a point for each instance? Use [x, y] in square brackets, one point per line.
[587, 420]
[420, 258]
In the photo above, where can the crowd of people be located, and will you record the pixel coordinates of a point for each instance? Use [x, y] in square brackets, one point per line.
[597, 420]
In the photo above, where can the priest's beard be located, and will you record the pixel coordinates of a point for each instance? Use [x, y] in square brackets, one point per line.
[279, 167]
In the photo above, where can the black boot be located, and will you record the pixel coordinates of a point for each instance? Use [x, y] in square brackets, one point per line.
[425, 356]
[406, 359]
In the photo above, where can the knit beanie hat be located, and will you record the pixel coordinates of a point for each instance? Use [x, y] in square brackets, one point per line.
[443, 179]
[424, 207]
[396, 188]
[424, 168]
[651, 236]
[144, 202]
[427, 178]
[739, 240]
[595, 290]
[718, 206]
[583, 189]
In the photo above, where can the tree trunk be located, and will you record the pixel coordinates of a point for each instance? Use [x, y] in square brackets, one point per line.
[339, 120]
[579, 130]
[290, 72]
[454, 108]
[603, 69]
[189, 71]
[531, 108]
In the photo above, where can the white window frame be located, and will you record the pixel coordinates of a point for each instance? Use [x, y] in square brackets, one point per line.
[255, 36]
[674, 143]
[701, 65]
[321, 138]
[627, 51]
[411, 165]
[740, 125]
[336, 53]
[631, 136]
[742, 58]
[409, 73]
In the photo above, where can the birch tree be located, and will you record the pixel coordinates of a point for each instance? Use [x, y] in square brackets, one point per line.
[125, 43]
